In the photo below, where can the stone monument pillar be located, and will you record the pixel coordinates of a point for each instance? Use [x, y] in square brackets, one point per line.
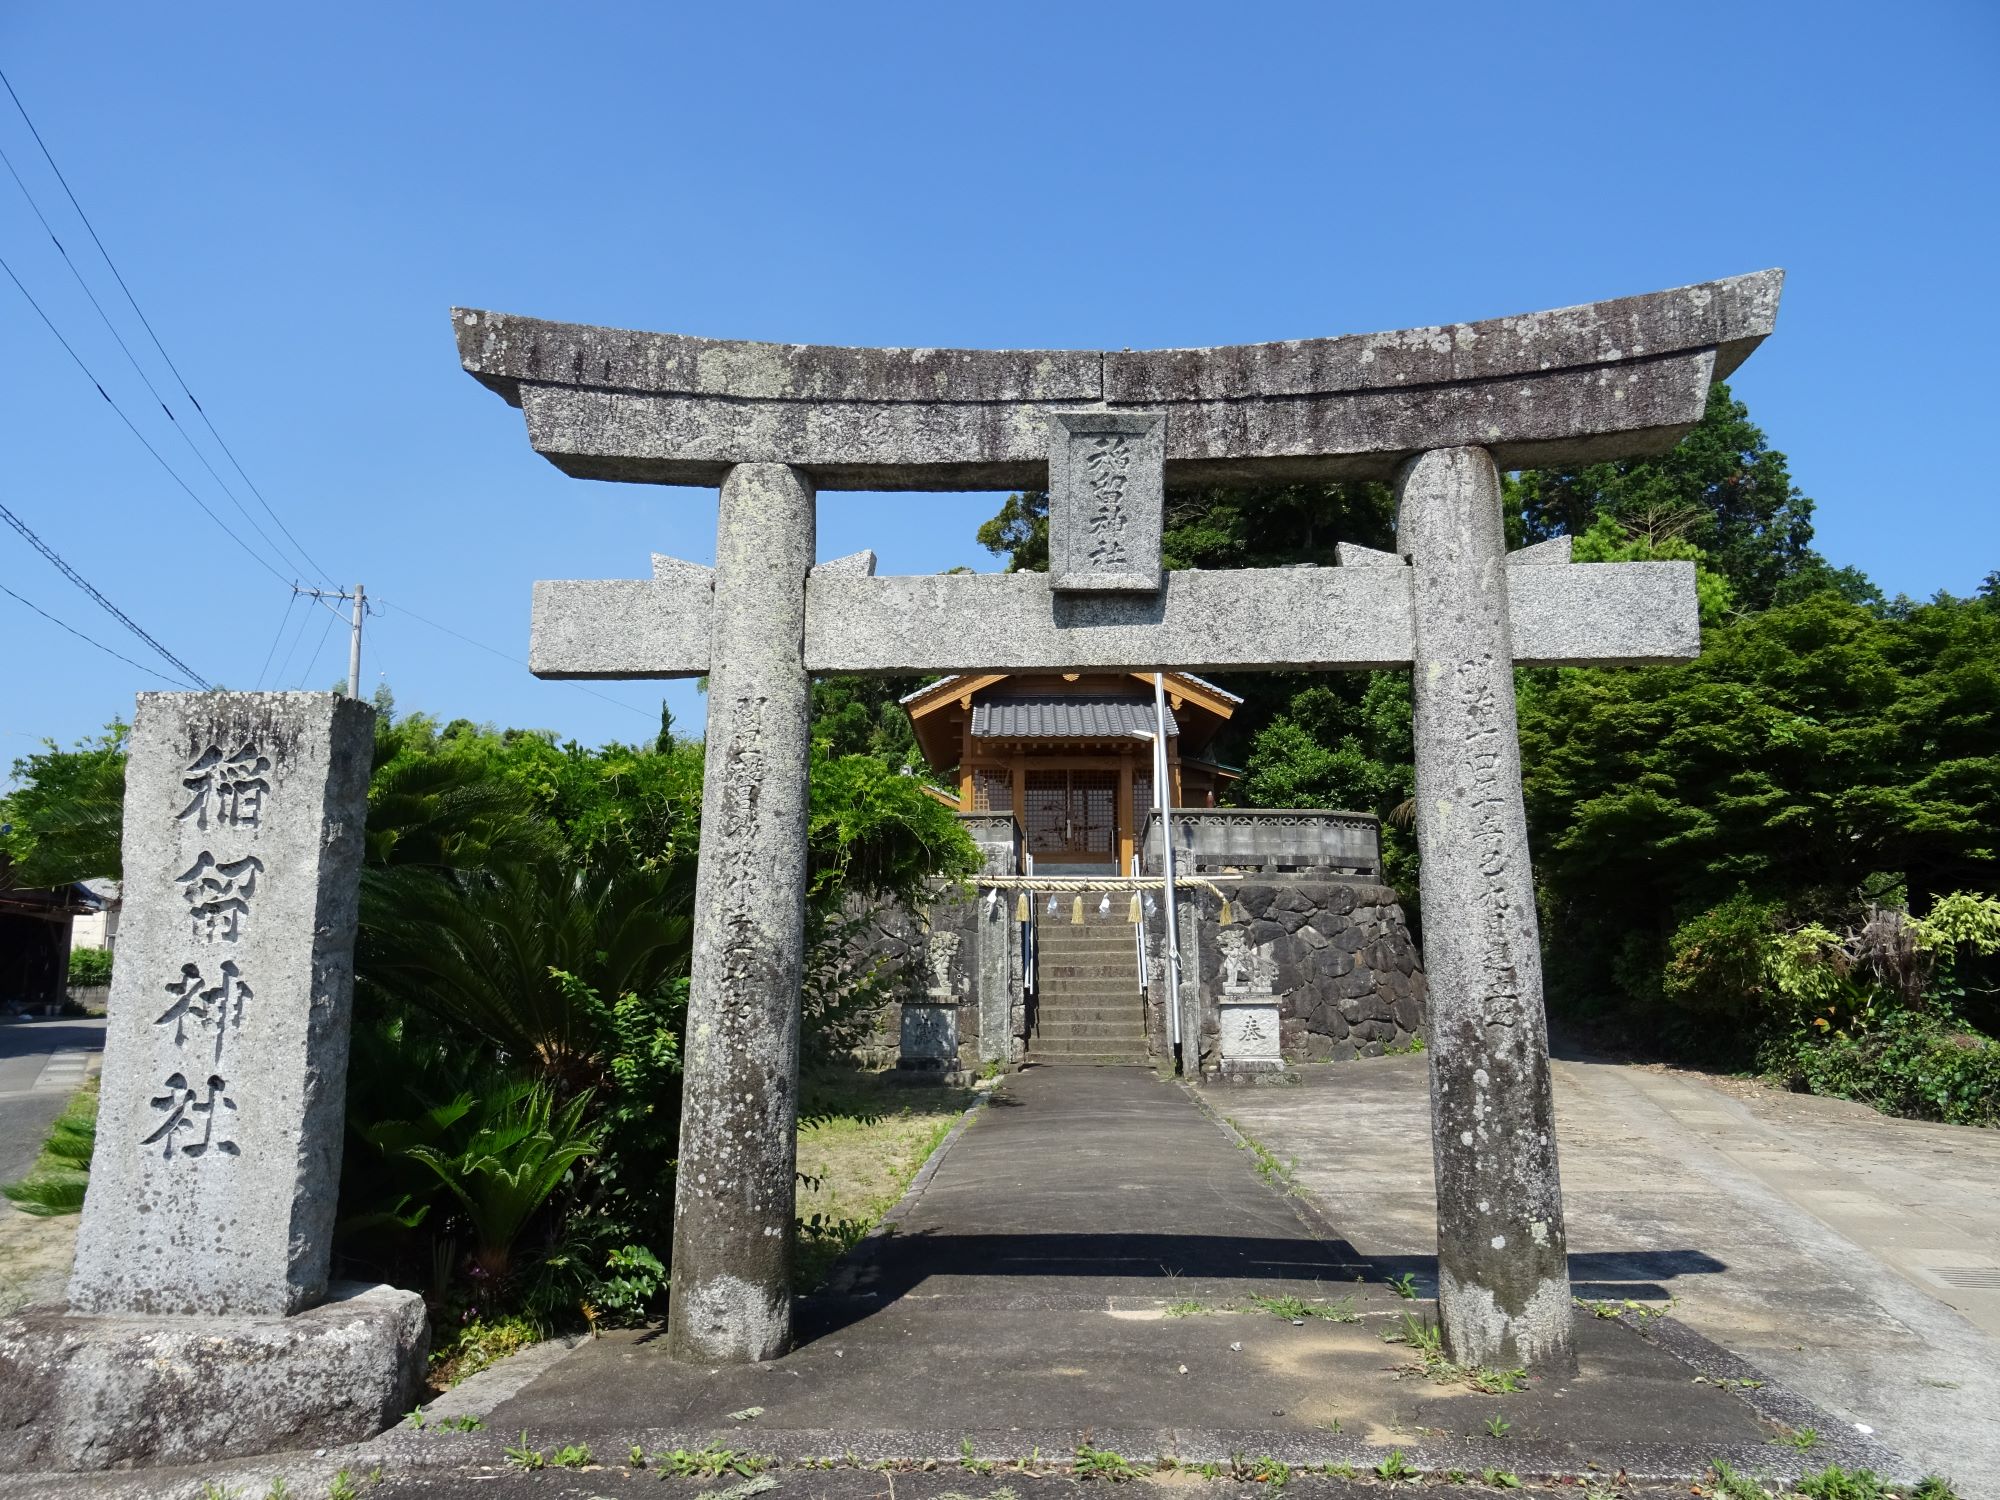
[217, 1167]
[1503, 1273]
[201, 1322]
[732, 1297]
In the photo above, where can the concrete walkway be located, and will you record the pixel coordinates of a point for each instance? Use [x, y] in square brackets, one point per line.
[1853, 1257]
[1084, 1264]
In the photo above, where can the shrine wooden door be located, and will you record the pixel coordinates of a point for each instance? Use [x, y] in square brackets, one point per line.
[1072, 816]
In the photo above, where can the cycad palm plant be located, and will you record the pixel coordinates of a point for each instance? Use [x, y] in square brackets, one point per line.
[518, 1155]
[487, 952]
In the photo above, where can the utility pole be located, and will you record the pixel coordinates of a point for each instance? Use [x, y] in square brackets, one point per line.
[359, 599]
[354, 643]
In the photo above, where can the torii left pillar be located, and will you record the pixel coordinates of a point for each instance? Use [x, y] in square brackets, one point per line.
[733, 1204]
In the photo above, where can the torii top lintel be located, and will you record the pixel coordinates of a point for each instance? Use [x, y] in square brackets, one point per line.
[1604, 380]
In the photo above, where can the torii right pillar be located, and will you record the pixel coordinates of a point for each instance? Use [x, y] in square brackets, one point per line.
[1503, 1270]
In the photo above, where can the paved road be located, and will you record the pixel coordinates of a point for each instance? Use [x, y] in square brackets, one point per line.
[1854, 1257]
[41, 1062]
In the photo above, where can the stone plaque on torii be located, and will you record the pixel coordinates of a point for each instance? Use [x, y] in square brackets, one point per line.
[1441, 411]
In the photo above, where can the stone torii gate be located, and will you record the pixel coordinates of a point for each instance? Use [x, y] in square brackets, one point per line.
[1441, 411]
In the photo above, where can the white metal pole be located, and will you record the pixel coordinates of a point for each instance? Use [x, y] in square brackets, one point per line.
[354, 643]
[1163, 801]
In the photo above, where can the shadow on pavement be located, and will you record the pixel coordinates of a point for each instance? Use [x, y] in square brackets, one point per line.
[22, 1038]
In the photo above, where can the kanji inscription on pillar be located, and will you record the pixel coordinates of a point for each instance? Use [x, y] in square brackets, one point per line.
[226, 1050]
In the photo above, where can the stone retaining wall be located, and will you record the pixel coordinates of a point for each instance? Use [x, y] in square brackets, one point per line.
[1341, 960]
[1331, 962]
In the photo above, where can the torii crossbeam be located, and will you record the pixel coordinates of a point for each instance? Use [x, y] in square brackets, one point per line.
[1440, 410]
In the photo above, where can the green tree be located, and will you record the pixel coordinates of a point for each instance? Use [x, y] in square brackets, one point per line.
[858, 715]
[1329, 748]
[1815, 755]
[63, 819]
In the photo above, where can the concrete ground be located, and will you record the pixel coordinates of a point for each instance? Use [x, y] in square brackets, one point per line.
[41, 1063]
[1084, 1259]
[1082, 1263]
[1852, 1257]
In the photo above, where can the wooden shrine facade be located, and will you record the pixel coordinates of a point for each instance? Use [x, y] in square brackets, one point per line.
[1070, 754]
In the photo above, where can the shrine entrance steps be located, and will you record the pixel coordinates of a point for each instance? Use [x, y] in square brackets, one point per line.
[1089, 1009]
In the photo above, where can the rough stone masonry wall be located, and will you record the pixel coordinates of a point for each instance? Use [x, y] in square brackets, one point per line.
[911, 961]
[1336, 954]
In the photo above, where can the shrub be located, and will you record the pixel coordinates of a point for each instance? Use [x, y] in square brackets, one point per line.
[1911, 1065]
[89, 967]
[1716, 961]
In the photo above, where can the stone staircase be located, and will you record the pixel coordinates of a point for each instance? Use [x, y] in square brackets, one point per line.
[1089, 1010]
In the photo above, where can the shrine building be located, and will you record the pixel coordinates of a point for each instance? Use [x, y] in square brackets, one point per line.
[1070, 755]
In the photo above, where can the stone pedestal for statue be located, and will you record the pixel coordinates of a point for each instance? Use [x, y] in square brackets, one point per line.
[1250, 1039]
[200, 1321]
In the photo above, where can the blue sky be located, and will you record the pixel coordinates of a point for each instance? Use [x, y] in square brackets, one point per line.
[296, 196]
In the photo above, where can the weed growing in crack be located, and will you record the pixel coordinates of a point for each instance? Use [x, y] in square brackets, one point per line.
[1188, 1309]
[968, 1462]
[1500, 1479]
[1424, 1337]
[1102, 1463]
[1404, 1286]
[522, 1456]
[1395, 1467]
[1274, 1172]
[1297, 1309]
[1497, 1428]
[1426, 1341]
[1731, 1485]
[571, 1456]
[711, 1462]
[1265, 1470]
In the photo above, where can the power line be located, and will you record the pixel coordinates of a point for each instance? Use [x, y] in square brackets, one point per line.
[132, 359]
[132, 427]
[283, 620]
[317, 651]
[147, 325]
[284, 662]
[113, 610]
[86, 639]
